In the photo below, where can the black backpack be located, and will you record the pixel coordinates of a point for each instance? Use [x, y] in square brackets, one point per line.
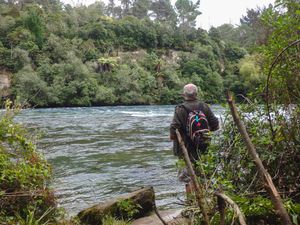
[197, 127]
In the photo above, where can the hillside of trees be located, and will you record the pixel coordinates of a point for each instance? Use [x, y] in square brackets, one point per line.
[128, 52]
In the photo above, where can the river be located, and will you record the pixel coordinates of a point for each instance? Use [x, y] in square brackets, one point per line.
[101, 152]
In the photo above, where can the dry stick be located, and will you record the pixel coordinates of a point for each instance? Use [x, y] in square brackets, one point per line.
[199, 190]
[221, 207]
[234, 206]
[265, 176]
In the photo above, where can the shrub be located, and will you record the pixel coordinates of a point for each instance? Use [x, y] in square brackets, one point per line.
[24, 174]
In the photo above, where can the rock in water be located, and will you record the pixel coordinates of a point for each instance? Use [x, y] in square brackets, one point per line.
[134, 205]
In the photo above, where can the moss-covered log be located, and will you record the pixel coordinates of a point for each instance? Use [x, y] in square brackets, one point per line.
[130, 206]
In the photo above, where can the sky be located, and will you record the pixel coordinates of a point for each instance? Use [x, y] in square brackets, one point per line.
[214, 12]
[218, 12]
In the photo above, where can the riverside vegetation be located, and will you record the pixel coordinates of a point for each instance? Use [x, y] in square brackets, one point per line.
[111, 54]
[271, 116]
[24, 192]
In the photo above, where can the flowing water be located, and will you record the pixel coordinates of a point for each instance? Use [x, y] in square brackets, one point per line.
[98, 153]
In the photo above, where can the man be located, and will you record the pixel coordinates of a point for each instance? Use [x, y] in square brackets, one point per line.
[180, 122]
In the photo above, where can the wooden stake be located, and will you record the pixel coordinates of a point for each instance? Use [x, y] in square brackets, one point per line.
[234, 206]
[265, 176]
[199, 190]
[221, 207]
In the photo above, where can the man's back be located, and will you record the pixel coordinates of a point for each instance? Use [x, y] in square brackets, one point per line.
[180, 122]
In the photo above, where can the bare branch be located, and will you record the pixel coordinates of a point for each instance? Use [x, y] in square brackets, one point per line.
[265, 176]
[199, 189]
[234, 206]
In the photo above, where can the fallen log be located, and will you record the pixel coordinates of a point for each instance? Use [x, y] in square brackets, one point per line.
[142, 203]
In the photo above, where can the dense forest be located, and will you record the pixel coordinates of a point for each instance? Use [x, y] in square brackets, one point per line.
[128, 52]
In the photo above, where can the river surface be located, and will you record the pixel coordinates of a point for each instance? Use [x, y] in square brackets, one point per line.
[98, 153]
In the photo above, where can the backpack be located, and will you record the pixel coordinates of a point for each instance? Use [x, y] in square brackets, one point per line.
[197, 127]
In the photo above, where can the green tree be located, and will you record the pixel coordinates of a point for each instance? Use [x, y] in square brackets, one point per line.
[285, 20]
[34, 22]
[7, 24]
[18, 35]
[251, 72]
[140, 8]
[234, 53]
[126, 5]
[165, 35]
[215, 34]
[72, 85]
[228, 33]
[253, 31]
[187, 13]
[104, 96]
[163, 11]
[29, 88]
[111, 8]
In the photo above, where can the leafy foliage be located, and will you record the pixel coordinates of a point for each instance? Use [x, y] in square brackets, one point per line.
[24, 175]
[232, 171]
[128, 209]
[79, 56]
